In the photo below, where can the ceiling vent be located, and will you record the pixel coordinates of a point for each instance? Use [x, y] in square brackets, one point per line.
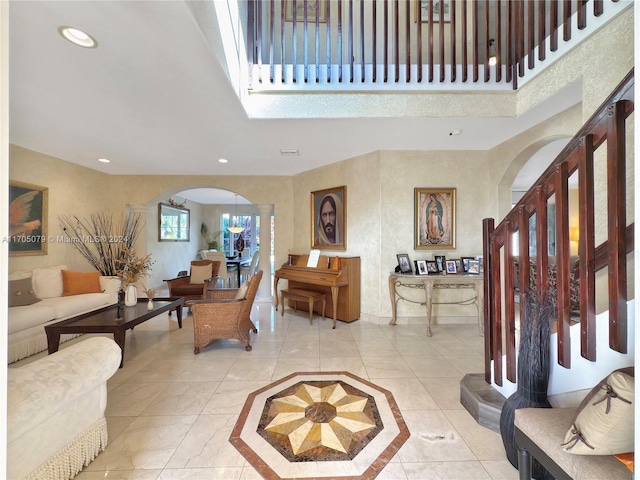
[289, 152]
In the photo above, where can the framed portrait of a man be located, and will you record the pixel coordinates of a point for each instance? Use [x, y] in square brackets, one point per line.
[435, 218]
[329, 219]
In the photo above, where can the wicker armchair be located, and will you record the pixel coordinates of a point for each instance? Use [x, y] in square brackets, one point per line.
[224, 316]
[182, 286]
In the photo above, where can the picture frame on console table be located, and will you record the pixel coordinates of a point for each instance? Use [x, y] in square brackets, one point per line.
[404, 263]
[28, 219]
[421, 267]
[432, 267]
[329, 219]
[434, 218]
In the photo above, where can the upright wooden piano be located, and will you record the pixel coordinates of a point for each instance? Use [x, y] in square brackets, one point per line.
[341, 285]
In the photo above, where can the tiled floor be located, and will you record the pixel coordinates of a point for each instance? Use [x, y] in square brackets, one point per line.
[170, 413]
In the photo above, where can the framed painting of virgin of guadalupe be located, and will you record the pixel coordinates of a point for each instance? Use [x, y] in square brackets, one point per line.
[435, 218]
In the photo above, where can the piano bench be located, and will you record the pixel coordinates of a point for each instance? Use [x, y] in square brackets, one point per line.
[299, 295]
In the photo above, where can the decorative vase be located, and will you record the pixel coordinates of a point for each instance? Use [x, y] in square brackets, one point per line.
[130, 295]
[150, 305]
[533, 370]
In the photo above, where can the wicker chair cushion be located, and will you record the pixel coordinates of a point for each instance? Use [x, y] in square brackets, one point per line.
[242, 291]
[199, 273]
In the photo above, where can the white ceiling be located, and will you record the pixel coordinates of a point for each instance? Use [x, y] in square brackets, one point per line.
[154, 99]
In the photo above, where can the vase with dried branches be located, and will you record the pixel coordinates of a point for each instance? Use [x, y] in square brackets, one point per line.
[102, 239]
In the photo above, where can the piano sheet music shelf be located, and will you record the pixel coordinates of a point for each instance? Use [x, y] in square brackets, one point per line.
[341, 286]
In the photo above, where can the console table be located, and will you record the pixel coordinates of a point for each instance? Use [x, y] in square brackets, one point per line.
[399, 281]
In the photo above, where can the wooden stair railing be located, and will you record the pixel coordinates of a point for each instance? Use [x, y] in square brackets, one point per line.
[607, 127]
[307, 41]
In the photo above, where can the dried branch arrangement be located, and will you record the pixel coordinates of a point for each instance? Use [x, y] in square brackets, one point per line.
[102, 240]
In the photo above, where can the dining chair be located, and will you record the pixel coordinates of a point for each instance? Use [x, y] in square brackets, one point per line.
[247, 271]
[225, 279]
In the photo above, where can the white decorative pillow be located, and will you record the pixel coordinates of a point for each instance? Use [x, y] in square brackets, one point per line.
[242, 291]
[603, 424]
[47, 282]
[199, 273]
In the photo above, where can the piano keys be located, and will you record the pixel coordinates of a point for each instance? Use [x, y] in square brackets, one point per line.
[342, 285]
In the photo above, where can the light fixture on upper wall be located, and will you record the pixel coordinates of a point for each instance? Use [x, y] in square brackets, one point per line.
[493, 59]
[236, 228]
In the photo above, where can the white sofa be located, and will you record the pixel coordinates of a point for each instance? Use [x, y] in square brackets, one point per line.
[26, 323]
[55, 410]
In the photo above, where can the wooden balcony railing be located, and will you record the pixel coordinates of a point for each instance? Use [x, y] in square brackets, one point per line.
[378, 43]
[607, 129]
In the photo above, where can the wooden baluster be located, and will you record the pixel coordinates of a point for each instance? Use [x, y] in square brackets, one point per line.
[476, 40]
[510, 61]
[519, 30]
[553, 16]
[283, 43]
[566, 20]
[294, 45]
[542, 242]
[374, 30]
[317, 43]
[452, 33]
[259, 40]
[386, 42]
[582, 14]
[362, 63]
[441, 41]
[542, 30]
[251, 28]
[396, 23]
[351, 59]
[586, 248]
[598, 7]
[328, 7]
[531, 28]
[339, 41]
[617, 222]
[430, 37]
[418, 22]
[487, 35]
[465, 57]
[509, 304]
[407, 40]
[563, 261]
[487, 231]
[498, 41]
[496, 308]
[272, 34]
[305, 40]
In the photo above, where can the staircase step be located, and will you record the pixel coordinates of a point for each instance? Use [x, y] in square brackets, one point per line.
[481, 400]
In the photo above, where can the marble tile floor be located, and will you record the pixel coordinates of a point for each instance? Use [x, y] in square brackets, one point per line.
[170, 413]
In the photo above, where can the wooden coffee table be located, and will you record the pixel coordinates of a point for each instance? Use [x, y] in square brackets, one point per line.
[111, 319]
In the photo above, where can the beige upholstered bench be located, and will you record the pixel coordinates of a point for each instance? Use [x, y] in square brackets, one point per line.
[299, 295]
[540, 433]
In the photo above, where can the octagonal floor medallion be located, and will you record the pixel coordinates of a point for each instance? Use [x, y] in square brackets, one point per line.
[320, 425]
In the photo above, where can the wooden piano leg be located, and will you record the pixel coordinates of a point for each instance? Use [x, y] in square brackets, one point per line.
[334, 297]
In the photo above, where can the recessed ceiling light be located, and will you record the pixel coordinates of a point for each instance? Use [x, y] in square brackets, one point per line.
[223, 160]
[78, 37]
[289, 152]
[457, 131]
[104, 160]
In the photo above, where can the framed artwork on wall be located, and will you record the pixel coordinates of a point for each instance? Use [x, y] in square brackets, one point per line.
[311, 11]
[28, 212]
[435, 218]
[329, 219]
[422, 10]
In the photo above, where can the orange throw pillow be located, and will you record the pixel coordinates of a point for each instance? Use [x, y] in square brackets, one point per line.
[76, 283]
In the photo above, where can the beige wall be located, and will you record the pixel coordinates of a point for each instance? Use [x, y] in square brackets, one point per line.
[79, 191]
